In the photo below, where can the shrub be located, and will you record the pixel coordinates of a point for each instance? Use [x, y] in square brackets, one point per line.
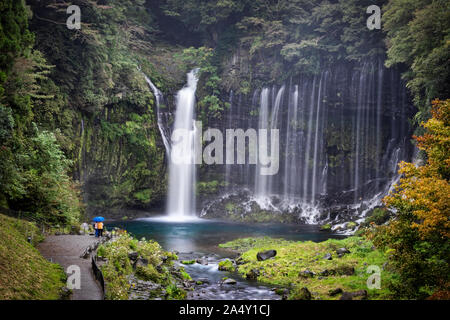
[418, 235]
[148, 273]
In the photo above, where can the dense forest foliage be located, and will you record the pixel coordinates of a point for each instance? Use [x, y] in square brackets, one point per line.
[34, 171]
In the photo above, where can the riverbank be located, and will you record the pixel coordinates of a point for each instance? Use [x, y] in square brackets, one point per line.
[328, 270]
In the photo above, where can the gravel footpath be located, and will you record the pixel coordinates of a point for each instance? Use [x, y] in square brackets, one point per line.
[66, 250]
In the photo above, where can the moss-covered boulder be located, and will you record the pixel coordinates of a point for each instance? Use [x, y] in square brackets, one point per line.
[227, 265]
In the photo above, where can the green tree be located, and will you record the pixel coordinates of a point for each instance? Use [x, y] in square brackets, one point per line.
[418, 35]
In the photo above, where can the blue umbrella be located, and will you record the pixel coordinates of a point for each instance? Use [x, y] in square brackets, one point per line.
[98, 219]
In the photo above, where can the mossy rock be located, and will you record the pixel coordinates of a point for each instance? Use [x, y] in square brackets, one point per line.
[227, 265]
[325, 227]
[188, 261]
[350, 225]
[377, 216]
[301, 294]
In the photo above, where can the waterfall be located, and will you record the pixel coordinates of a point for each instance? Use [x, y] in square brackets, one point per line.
[263, 123]
[182, 175]
[230, 126]
[342, 133]
[316, 143]
[159, 100]
[275, 124]
[290, 176]
[306, 162]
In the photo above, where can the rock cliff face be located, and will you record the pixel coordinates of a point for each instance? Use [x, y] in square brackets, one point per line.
[109, 126]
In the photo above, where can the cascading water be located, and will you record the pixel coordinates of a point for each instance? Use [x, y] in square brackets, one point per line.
[182, 176]
[159, 100]
[263, 121]
[342, 133]
[230, 124]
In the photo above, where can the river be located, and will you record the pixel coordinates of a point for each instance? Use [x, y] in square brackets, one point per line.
[196, 238]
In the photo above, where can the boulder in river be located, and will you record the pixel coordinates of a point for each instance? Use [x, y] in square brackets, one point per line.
[264, 255]
[203, 280]
[229, 281]
[202, 261]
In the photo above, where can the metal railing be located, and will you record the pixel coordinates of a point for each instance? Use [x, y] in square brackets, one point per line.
[98, 274]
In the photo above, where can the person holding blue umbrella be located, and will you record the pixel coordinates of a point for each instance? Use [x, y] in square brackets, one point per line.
[98, 226]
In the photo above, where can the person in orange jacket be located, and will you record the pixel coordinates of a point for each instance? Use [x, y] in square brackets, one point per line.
[100, 229]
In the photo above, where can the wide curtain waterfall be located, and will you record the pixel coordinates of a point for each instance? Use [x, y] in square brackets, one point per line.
[342, 131]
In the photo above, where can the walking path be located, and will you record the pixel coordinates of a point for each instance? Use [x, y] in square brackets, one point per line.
[66, 250]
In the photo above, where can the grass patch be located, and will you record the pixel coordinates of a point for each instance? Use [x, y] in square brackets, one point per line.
[348, 272]
[24, 273]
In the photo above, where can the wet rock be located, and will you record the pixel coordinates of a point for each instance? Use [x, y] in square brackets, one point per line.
[345, 270]
[133, 256]
[342, 251]
[65, 293]
[361, 294]
[283, 292]
[306, 274]
[227, 265]
[203, 280]
[327, 257]
[202, 261]
[264, 255]
[86, 253]
[334, 292]
[140, 262]
[253, 274]
[229, 281]
[304, 294]
[326, 273]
